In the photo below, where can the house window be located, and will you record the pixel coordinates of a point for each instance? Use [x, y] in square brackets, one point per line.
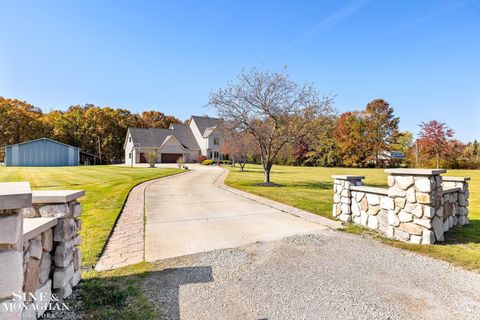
[216, 141]
[129, 139]
[214, 155]
[130, 155]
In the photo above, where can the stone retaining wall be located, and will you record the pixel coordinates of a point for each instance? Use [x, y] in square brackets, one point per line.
[417, 207]
[47, 252]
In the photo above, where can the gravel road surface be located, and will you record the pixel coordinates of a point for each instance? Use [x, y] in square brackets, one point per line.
[324, 275]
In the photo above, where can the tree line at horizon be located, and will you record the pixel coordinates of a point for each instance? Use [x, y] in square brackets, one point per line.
[312, 138]
[97, 130]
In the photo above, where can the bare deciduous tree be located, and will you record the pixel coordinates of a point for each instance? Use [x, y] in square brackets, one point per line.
[271, 108]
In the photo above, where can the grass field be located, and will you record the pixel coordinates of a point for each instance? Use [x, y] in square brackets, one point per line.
[106, 190]
[311, 189]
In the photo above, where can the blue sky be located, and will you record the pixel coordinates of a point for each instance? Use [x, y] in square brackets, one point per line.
[421, 56]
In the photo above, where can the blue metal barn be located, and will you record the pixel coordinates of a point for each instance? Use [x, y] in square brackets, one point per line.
[41, 153]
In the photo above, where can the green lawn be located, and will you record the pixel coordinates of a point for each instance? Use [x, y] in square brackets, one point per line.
[106, 190]
[311, 189]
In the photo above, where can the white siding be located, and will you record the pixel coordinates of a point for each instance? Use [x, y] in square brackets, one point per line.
[128, 149]
[202, 142]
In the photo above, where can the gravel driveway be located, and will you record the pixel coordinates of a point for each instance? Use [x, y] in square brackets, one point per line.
[325, 275]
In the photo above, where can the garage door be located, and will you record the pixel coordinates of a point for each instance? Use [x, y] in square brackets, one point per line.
[170, 157]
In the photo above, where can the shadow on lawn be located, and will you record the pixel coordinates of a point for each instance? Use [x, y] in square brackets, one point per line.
[464, 235]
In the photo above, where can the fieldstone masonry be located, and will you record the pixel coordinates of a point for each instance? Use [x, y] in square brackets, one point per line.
[39, 253]
[419, 205]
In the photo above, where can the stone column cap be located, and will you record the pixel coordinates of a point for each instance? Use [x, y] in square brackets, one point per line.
[415, 172]
[455, 179]
[347, 177]
[56, 196]
[15, 195]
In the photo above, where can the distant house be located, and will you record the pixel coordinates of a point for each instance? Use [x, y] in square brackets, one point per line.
[199, 137]
[391, 155]
[42, 152]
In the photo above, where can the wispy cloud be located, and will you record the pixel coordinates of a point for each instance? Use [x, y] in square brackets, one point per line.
[335, 18]
[419, 20]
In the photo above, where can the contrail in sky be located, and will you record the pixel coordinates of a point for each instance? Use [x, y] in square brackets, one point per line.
[419, 20]
[338, 16]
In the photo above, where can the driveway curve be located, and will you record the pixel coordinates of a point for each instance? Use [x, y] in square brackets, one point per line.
[190, 214]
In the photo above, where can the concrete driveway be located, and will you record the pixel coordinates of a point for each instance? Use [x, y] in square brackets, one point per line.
[189, 214]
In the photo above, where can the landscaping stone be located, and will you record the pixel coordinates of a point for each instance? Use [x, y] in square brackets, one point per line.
[373, 199]
[77, 276]
[62, 276]
[424, 198]
[411, 195]
[400, 202]
[36, 247]
[31, 276]
[415, 239]
[65, 230]
[402, 235]
[345, 217]
[423, 184]
[64, 254]
[29, 212]
[372, 222]
[55, 210]
[10, 260]
[47, 240]
[373, 209]
[437, 226]
[427, 223]
[45, 267]
[404, 182]
[11, 229]
[393, 219]
[428, 237]
[363, 218]
[429, 212]
[411, 228]
[387, 203]
[405, 216]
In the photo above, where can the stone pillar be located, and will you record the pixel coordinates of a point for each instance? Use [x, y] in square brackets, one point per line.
[417, 216]
[342, 197]
[66, 255]
[463, 194]
[13, 197]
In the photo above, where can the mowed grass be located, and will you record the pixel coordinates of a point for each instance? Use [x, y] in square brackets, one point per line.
[106, 190]
[311, 189]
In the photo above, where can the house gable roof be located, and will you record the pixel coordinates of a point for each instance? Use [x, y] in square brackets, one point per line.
[155, 137]
[206, 125]
[173, 139]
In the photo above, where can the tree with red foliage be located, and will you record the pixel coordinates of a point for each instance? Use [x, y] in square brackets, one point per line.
[300, 149]
[434, 139]
[238, 147]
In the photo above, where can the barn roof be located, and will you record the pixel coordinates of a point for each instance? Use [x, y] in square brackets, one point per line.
[46, 139]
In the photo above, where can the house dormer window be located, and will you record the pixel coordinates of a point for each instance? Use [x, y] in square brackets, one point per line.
[216, 141]
[129, 139]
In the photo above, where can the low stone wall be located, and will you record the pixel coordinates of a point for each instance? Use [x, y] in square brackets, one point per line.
[50, 258]
[418, 207]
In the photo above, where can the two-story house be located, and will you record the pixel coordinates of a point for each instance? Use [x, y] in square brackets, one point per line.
[199, 137]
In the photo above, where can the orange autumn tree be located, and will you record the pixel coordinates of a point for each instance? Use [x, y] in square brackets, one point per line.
[350, 137]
